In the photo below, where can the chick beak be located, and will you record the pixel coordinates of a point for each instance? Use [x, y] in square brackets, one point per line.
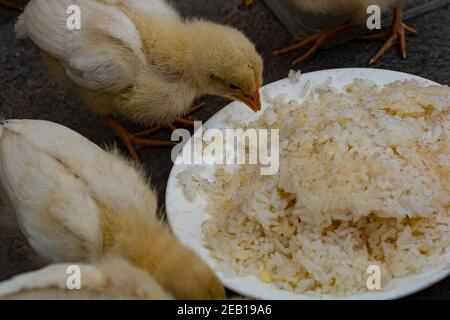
[254, 102]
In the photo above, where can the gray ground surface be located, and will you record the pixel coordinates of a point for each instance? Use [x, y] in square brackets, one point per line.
[28, 91]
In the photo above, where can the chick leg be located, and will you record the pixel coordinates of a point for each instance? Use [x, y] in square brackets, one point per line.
[6, 4]
[183, 122]
[195, 108]
[314, 42]
[179, 122]
[397, 34]
[130, 140]
[136, 141]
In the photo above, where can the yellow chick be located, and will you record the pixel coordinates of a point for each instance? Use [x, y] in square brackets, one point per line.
[113, 277]
[10, 5]
[357, 10]
[76, 202]
[140, 59]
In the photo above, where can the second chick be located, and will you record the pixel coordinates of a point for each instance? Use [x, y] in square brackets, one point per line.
[76, 202]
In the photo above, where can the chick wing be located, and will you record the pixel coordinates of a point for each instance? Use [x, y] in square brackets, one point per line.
[103, 53]
[113, 277]
[58, 182]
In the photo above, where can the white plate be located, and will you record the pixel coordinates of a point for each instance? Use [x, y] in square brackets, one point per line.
[186, 218]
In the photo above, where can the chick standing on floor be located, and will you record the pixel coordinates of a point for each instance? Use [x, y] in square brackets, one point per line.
[140, 59]
[110, 278]
[357, 9]
[76, 202]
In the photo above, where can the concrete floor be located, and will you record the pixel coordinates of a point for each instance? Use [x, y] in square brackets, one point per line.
[28, 91]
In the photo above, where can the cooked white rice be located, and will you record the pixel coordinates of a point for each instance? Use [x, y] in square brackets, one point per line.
[363, 180]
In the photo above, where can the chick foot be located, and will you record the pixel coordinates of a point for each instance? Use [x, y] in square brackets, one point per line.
[397, 34]
[248, 3]
[136, 141]
[133, 142]
[313, 42]
[6, 4]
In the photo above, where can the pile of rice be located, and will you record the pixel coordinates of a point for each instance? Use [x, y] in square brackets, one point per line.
[363, 180]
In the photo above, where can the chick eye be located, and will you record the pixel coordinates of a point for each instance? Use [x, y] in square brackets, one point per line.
[233, 87]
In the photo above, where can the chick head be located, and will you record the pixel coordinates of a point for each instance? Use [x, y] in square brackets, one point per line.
[225, 62]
